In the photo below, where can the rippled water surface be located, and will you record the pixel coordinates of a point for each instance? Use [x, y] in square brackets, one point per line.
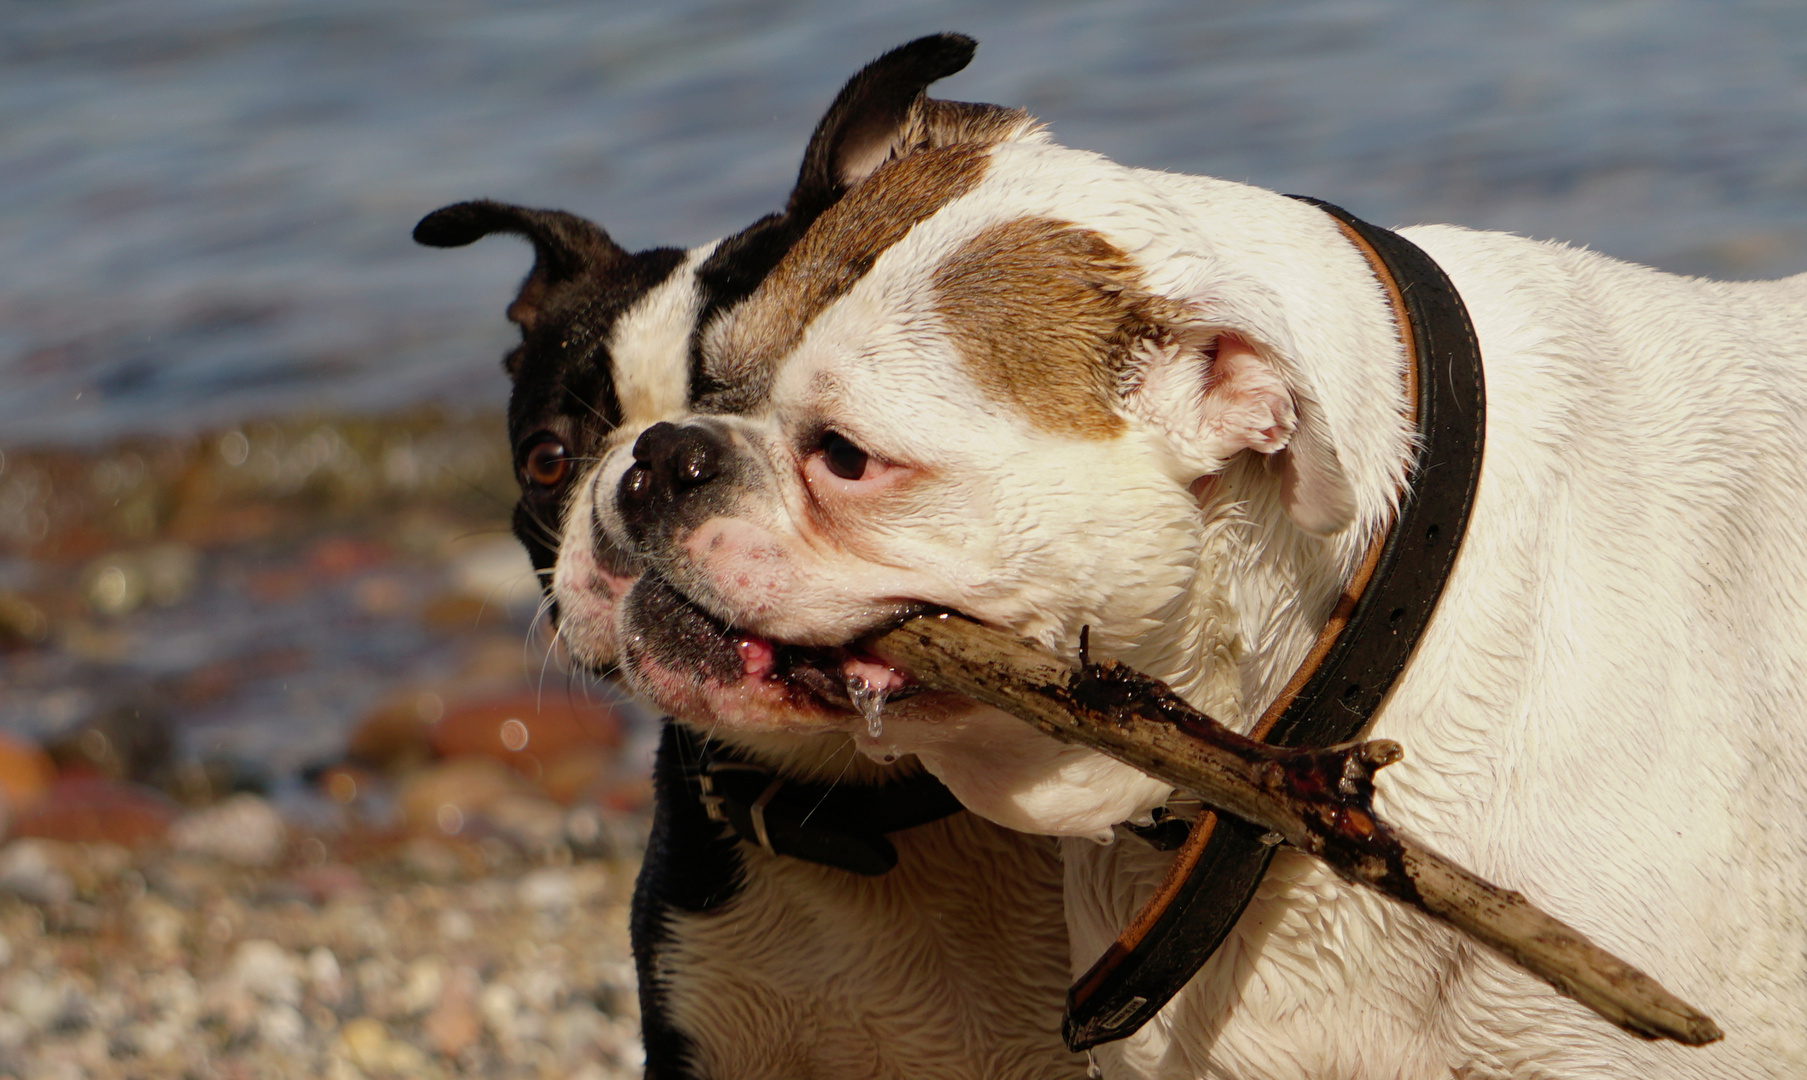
[205, 204]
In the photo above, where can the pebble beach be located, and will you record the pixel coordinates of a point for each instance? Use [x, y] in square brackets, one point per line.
[292, 786]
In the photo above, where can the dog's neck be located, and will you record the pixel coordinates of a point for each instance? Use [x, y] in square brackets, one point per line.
[1264, 587]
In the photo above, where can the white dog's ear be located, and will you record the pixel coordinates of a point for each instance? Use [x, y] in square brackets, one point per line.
[1214, 394]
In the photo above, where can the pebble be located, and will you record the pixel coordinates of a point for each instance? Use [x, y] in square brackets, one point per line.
[324, 978]
[26, 773]
[576, 1031]
[30, 870]
[531, 822]
[455, 1023]
[94, 810]
[422, 986]
[441, 799]
[398, 734]
[45, 1004]
[579, 772]
[245, 830]
[500, 1005]
[367, 1043]
[527, 731]
[159, 926]
[266, 970]
[456, 924]
[548, 890]
[281, 1025]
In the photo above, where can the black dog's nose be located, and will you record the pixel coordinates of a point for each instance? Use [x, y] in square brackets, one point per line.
[669, 463]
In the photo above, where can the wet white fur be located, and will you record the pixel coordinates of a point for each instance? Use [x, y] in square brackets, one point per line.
[1606, 712]
[950, 967]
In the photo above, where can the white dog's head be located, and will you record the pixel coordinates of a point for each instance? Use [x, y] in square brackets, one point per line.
[1043, 390]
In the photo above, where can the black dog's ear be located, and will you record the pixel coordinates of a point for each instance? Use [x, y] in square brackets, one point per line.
[884, 112]
[565, 247]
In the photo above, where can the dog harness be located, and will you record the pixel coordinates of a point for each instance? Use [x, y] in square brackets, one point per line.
[1351, 667]
[840, 825]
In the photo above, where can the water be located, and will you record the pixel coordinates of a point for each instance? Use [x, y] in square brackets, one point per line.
[205, 204]
[869, 700]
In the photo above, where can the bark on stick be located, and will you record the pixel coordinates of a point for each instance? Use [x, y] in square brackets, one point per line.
[1318, 800]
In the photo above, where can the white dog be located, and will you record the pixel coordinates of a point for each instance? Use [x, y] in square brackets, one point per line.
[1050, 392]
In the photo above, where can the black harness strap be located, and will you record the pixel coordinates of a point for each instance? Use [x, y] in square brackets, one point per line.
[1358, 657]
[841, 825]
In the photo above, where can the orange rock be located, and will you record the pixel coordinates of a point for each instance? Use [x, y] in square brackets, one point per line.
[455, 1024]
[397, 734]
[99, 811]
[576, 772]
[25, 774]
[531, 736]
[442, 798]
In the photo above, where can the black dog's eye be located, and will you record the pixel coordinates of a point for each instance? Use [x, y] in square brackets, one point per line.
[546, 464]
[844, 459]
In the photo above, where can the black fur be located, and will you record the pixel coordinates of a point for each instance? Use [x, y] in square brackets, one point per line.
[692, 865]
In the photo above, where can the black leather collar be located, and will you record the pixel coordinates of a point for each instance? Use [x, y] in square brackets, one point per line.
[842, 824]
[1334, 695]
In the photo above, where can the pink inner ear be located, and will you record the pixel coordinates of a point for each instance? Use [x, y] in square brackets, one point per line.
[1246, 401]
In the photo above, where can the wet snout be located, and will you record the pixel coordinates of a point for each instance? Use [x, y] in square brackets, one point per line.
[677, 479]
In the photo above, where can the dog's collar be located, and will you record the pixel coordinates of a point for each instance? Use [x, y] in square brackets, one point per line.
[842, 825]
[1351, 667]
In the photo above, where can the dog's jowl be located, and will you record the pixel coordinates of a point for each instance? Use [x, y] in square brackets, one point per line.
[1049, 392]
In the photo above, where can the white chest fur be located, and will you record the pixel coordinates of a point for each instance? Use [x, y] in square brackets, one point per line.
[920, 973]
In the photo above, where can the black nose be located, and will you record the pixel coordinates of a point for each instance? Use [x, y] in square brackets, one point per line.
[670, 464]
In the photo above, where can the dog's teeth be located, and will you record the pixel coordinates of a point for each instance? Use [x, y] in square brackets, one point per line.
[870, 701]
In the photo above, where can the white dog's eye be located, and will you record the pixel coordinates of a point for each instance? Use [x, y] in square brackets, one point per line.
[844, 459]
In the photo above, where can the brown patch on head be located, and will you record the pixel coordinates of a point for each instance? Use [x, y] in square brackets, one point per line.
[1044, 313]
[831, 258]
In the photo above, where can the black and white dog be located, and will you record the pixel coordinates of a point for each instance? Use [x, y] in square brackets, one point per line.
[803, 910]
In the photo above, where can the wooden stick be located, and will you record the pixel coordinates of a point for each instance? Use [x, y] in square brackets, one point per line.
[1319, 800]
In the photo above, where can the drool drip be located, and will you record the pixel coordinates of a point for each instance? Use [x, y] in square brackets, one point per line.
[870, 701]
